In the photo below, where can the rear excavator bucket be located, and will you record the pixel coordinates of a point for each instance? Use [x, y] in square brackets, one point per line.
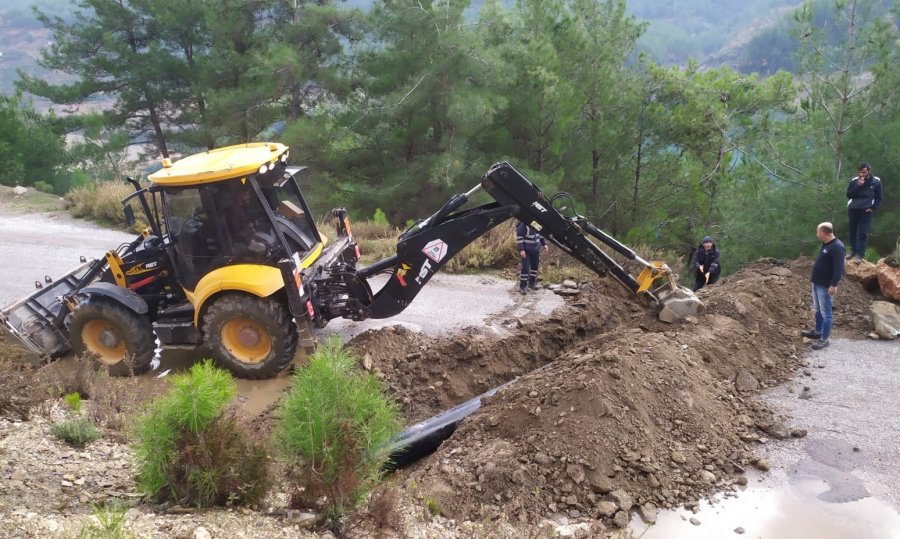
[675, 302]
[678, 303]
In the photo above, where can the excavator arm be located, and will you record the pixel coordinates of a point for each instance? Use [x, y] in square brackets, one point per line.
[340, 291]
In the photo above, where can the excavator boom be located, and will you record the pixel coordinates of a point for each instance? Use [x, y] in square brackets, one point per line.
[427, 246]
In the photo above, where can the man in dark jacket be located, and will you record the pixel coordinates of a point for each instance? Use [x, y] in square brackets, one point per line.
[865, 194]
[529, 243]
[826, 274]
[706, 264]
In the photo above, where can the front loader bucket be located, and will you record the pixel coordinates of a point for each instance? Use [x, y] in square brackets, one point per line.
[31, 318]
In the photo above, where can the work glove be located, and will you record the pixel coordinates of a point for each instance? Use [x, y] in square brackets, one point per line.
[700, 268]
[713, 267]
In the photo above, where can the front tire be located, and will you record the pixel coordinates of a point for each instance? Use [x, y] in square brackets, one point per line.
[114, 335]
[252, 337]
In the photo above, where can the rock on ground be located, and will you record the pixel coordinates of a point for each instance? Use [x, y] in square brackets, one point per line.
[888, 279]
[886, 317]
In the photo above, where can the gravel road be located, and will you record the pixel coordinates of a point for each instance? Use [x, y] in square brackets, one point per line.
[841, 481]
[39, 244]
[33, 245]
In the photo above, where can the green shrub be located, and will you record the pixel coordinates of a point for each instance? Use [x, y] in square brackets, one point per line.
[101, 202]
[380, 218]
[872, 255]
[73, 401]
[43, 186]
[110, 522]
[893, 259]
[335, 424]
[191, 448]
[433, 508]
[75, 432]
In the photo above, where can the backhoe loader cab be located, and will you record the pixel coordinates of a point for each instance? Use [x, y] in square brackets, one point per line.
[232, 261]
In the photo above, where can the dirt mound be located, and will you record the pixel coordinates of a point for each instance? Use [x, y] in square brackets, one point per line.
[428, 376]
[629, 412]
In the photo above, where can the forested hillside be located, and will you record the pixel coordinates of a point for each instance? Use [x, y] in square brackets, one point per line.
[704, 30]
[774, 47]
[399, 106]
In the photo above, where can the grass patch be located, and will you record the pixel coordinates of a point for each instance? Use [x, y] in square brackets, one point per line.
[433, 508]
[191, 448]
[376, 240]
[109, 522]
[102, 202]
[335, 424]
[73, 401]
[76, 432]
[31, 201]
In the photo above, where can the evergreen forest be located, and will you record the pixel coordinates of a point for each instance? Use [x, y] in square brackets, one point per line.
[402, 104]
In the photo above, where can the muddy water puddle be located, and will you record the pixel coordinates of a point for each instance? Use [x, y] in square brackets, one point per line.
[787, 511]
[254, 396]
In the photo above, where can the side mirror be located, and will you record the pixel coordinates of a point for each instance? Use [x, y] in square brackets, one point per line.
[129, 216]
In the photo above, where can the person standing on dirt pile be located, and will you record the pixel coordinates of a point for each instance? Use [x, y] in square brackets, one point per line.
[826, 274]
[706, 264]
[529, 243]
[865, 194]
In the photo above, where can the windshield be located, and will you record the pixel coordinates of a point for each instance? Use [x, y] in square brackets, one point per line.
[291, 212]
[215, 225]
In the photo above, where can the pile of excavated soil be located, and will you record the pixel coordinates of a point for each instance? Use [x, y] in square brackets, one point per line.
[629, 412]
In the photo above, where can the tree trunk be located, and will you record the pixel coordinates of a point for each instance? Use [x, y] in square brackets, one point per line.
[157, 129]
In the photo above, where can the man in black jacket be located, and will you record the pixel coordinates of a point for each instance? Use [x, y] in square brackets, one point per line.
[706, 264]
[826, 274]
[529, 243]
[865, 194]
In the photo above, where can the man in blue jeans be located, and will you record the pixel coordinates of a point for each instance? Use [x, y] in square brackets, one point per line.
[826, 274]
[865, 194]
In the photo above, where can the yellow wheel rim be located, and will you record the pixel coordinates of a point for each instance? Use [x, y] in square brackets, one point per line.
[246, 339]
[103, 340]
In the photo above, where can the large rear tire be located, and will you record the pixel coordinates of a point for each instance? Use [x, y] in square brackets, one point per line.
[114, 335]
[252, 337]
